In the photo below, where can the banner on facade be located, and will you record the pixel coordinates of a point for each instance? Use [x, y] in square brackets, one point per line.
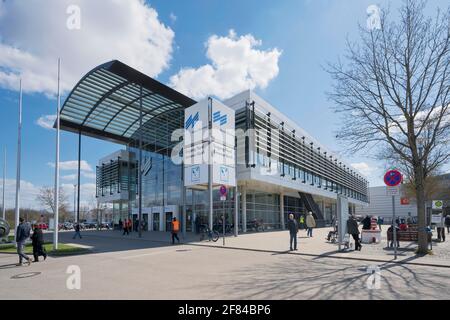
[204, 146]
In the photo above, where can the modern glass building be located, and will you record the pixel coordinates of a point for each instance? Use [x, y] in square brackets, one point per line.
[280, 169]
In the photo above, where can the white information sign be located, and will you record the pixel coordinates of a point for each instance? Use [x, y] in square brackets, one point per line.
[392, 191]
[438, 205]
[436, 219]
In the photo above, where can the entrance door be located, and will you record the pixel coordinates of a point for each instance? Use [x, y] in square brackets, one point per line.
[155, 221]
[145, 221]
[135, 219]
[189, 220]
[169, 216]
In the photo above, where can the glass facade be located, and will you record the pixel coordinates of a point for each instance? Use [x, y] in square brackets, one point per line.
[274, 146]
[263, 207]
[162, 181]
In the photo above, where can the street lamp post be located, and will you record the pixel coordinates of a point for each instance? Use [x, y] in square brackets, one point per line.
[4, 185]
[19, 149]
[56, 195]
[75, 202]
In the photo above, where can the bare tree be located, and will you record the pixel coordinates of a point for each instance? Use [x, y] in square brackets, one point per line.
[434, 188]
[46, 197]
[393, 94]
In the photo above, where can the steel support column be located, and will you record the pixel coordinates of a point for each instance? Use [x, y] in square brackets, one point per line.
[183, 206]
[4, 185]
[244, 208]
[210, 167]
[140, 162]
[79, 176]
[236, 211]
[194, 215]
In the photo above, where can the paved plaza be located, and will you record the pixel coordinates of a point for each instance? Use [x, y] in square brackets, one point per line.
[257, 267]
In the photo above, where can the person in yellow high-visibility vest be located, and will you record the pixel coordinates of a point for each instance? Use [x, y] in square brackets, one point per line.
[175, 230]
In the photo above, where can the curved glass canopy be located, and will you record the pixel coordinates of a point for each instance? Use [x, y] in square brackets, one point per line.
[106, 103]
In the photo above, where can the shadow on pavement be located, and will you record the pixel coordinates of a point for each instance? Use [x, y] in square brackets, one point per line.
[9, 266]
[113, 241]
[326, 279]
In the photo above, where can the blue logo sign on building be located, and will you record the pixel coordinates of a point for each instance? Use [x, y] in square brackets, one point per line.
[221, 119]
[224, 174]
[195, 173]
[191, 121]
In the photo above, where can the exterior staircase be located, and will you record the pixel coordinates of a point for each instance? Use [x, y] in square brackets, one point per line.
[312, 206]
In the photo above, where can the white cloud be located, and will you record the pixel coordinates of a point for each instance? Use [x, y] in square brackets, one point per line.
[88, 175]
[235, 66]
[364, 168]
[73, 177]
[33, 34]
[421, 118]
[72, 165]
[69, 177]
[46, 122]
[29, 192]
[87, 194]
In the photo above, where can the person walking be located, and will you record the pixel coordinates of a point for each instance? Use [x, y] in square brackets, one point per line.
[125, 227]
[310, 224]
[379, 222]
[409, 219]
[77, 231]
[390, 230]
[352, 229]
[38, 240]
[441, 230]
[302, 222]
[22, 234]
[366, 222]
[293, 230]
[447, 223]
[175, 230]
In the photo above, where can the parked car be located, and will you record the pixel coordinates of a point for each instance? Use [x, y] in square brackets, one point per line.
[4, 228]
[68, 226]
[105, 225]
[90, 225]
[43, 226]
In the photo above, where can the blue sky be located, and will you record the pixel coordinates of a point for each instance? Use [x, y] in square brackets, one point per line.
[307, 33]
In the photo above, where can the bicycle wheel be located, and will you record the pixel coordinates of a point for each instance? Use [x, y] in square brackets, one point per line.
[215, 236]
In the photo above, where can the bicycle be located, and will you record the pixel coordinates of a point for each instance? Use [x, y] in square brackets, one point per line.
[256, 225]
[211, 234]
[229, 229]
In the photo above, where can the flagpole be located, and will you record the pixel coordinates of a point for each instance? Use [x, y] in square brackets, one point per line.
[4, 185]
[56, 201]
[19, 146]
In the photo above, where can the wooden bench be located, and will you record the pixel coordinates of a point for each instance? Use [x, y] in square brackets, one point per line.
[409, 235]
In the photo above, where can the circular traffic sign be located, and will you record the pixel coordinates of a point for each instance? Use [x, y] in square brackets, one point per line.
[223, 191]
[393, 178]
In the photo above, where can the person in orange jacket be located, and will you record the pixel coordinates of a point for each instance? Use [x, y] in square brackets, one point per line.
[175, 230]
[126, 227]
